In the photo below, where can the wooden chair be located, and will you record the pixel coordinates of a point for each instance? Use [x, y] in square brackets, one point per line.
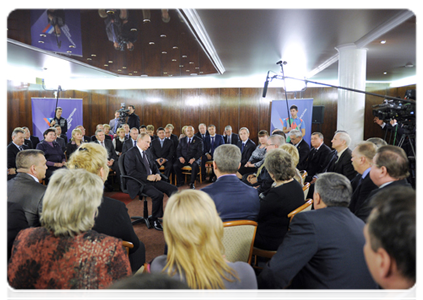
[127, 245]
[257, 252]
[306, 187]
[238, 240]
[306, 206]
[186, 170]
[209, 167]
[161, 169]
[303, 175]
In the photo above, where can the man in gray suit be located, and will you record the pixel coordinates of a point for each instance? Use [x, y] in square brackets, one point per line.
[25, 188]
[115, 123]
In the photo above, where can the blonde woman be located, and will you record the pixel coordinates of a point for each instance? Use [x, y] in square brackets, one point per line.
[65, 253]
[112, 218]
[183, 134]
[119, 140]
[107, 130]
[74, 143]
[193, 232]
[295, 158]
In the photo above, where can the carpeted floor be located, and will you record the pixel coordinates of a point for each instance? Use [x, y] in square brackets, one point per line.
[152, 239]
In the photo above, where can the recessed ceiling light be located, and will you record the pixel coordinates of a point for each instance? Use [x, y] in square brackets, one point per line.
[174, 59]
[175, 47]
[383, 42]
[42, 35]
[123, 67]
[110, 61]
[72, 46]
[184, 56]
[89, 58]
[164, 52]
[163, 35]
[151, 43]
[135, 72]
[93, 55]
[41, 42]
[106, 65]
[409, 65]
[69, 52]
[384, 73]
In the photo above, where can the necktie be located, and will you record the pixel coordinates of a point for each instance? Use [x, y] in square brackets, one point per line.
[212, 140]
[161, 143]
[229, 139]
[146, 164]
[189, 142]
[102, 143]
[212, 144]
[135, 143]
[242, 148]
[21, 148]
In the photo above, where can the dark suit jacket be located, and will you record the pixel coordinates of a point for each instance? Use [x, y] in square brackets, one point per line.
[24, 190]
[322, 250]
[343, 166]
[35, 140]
[113, 220]
[208, 147]
[234, 139]
[195, 149]
[134, 167]
[365, 208]
[134, 121]
[128, 144]
[111, 153]
[10, 155]
[248, 150]
[234, 199]
[198, 134]
[158, 152]
[87, 139]
[28, 143]
[94, 139]
[316, 162]
[62, 143]
[303, 150]
[16, 221]
[175, 141]
[360, 194]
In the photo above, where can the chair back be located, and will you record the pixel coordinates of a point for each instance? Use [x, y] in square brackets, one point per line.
[306, 206]
[122, 179]
[303, 175]
[306, 187]
[127, 245]
[238, 240]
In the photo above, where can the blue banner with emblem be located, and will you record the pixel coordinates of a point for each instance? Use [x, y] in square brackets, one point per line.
[303, 116]
[57, 30]
[43, 113]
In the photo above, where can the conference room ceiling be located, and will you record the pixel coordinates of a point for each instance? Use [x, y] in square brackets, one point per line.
[239, 43]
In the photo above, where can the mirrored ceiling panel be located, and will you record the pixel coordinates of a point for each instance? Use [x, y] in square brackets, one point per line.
[156, 42]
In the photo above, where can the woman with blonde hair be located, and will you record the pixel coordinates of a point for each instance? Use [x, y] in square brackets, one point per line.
[119, 140]
[183, 134]
[285, 195]
[295, 158]
[74, 143]
[193, 232]
[65, 253]
[112, 218]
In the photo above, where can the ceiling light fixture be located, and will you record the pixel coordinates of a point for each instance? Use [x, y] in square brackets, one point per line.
[409, 65]
[383, 42]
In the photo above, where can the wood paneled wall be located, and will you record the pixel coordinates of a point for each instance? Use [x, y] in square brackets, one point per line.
[238, 107]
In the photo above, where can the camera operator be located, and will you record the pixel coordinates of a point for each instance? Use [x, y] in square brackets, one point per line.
[133, 119]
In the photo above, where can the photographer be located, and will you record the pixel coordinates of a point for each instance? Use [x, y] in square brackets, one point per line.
[133, 119]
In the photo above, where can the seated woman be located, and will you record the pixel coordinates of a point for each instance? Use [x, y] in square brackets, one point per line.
[112, 218]
[107, 131]
[295, 158]
[183, 134]
[285, 195]
[119, 140]
[75, 142]
[65, 253]
[52, 151]
[193, 232]
[257, 157]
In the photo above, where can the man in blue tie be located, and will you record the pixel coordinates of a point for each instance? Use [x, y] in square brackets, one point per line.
[132, 141]
[115, 123]
[162, 151]
[210, 144]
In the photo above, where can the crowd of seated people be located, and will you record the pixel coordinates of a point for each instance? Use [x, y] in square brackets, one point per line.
[321, 248]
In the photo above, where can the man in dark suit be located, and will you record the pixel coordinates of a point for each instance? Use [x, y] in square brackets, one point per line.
[133, 119]
[362, 159]
[229, 137]
[112, 159]
[202, 131]
[86, 138]
[115, 123]
[17, 144]
[162, 151]
[211, 142]
[63, 122]
[317, 159]
[297, 140]
[169, 135]
[26, 189]
[390, 168]
[16, 221]
[27, 140]
[341, 163]
[392, 255]
[100, 127]
[246, 145]
[188, 153]
[323, 248]
[59, 139]
[140, 165]
[132, 141]
[234, 199]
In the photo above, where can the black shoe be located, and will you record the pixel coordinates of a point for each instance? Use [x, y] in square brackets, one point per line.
[192, 186]
[180, 184]
[157, 226]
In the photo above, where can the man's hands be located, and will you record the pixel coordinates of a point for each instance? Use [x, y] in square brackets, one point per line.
[154, 177]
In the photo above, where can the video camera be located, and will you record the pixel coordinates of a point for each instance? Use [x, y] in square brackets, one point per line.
[123, 113]
[402, 111]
